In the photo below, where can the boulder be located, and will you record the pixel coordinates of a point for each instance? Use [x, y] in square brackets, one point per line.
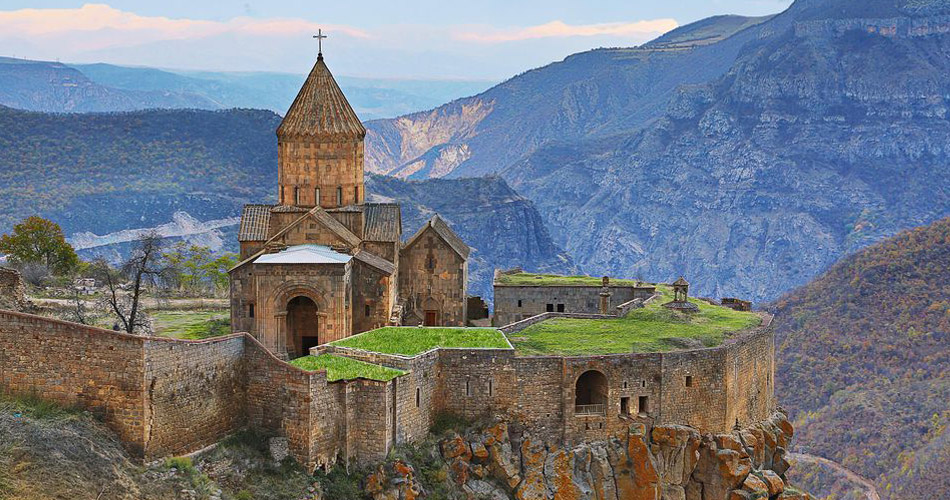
[533, 455]
[676, 450]
[456, 447]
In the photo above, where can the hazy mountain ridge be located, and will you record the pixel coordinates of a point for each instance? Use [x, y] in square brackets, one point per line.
[823, 132]
[875, 326]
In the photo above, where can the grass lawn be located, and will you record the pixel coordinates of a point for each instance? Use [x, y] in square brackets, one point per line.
[342, 368]
[650, 329]
[409, 341]
[192, 325]
[526, 279]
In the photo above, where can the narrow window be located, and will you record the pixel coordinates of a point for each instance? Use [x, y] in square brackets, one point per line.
[644, 404]
[250, 310]
[430, 262]
[519, 302]
[316, 197]
[643, 383]
[560, 308]
[491, 388]
[468, 387]
[356, 195]
[282, 194]
[418, 397]
[296, 196]
[339, 196]
[689, 381]
[624, 385]
[550, 308]
[367, 310]
[624, 406]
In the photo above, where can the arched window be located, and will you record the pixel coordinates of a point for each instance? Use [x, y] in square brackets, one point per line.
[590, 393]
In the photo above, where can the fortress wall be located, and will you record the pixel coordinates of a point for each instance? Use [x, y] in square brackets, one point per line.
[75, 365]
[369, 414]
[702, 404]
[477, 382]
[539, 406]
[749, 378]
[196, 393]
[414, 420]
[576, 299]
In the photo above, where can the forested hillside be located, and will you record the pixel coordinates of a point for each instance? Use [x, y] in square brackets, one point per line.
[864, 358]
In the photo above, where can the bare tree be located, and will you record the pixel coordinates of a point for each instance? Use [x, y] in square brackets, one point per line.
[124, 286]
[79, 307]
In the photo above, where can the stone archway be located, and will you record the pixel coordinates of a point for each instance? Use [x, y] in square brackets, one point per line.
[303, 326]
[431, 312]
[590, 393]
[286, 341]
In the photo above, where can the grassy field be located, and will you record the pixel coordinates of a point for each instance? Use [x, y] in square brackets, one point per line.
[651, 329]
[527, 279]
[410, 341]
[342, 368]
[192, 325]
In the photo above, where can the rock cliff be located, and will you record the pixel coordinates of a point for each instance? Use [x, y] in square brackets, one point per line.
[667, 462]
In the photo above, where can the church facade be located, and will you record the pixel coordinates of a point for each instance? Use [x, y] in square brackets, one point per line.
[323, 264]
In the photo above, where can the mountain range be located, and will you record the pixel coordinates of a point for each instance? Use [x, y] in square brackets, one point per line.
[746, 154]
[58, 88]
[863, 357]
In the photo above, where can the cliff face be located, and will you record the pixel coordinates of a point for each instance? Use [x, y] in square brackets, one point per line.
[750, 164]
[503, 228]
[668, 463]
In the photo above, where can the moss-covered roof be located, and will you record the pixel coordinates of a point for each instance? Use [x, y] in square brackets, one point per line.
[409, 341]
[343, 368]
[538, 279]
[653, 328]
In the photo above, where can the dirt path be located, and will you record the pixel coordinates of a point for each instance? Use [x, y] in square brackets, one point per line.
[149, 303]
[869, 489]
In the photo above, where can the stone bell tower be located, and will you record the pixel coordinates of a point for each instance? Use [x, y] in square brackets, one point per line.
[320, 146]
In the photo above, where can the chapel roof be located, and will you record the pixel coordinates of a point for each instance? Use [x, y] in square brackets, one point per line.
[255, 220]
[444, 232]
[320, 108]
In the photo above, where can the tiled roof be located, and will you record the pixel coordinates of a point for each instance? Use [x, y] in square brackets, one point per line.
[321, 109]
[446, 233]
[681, 281]
[304, 254]
[383, 222]
[376, 261]
[255, 220]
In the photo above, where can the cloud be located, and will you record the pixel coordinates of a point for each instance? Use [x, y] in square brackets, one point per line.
[560, 29]
[100, 17]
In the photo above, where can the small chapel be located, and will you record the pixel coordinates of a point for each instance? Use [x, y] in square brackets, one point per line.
[323, 264]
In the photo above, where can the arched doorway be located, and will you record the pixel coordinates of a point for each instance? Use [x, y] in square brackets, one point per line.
[303, 326]
[590, 393]
[431, 312]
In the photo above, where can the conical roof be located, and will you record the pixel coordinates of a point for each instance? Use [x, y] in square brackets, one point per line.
[320, 108]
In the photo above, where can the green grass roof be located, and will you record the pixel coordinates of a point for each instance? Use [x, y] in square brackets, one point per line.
[650, 329]
[535, 279]
[409, 341]
[342, 368]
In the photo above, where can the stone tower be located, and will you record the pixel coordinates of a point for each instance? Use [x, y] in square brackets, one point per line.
[320, 146]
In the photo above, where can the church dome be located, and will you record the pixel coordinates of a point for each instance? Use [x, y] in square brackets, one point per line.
[321, 109]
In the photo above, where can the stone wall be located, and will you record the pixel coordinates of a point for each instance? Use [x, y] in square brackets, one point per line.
[308, 164]
[372, 304]
[12, 290]
[432, 277]
[515, 303]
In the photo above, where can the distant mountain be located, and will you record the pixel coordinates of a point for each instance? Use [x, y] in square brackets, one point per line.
[55, 87]
[749, 164]
[187, 173]
[863, 357]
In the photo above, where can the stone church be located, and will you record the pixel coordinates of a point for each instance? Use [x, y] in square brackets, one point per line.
[323, 264]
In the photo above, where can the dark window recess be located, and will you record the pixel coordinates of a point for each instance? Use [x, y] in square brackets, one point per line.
[491, 388]
[689, 381]
[250, 310]
[418, 397]
[468, 388]
[644, 404]
[560, 308]
[624, 406]
[339, 196]
[368, 310]
[550, 308]
[519, 303]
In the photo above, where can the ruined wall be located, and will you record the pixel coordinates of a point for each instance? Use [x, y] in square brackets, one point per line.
[195, 393]
[100, 370]
[534, 300]
[12, 290]
[432, 277]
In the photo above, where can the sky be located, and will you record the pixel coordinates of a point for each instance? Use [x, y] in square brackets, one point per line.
[424, 39]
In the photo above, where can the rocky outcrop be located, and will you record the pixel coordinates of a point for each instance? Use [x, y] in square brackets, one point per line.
[668, 462]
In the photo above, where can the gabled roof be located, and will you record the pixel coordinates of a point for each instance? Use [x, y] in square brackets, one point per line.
[304, 254]
[444, 232]
[681, 281]
[371, 259]
[255, 219]
[383, 222]
[320, 108]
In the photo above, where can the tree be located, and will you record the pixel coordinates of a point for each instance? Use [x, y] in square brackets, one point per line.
[197, 268]
[37, 241]
[124, 286]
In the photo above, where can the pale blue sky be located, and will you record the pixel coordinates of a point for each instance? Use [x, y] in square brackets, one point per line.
[488, 39]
